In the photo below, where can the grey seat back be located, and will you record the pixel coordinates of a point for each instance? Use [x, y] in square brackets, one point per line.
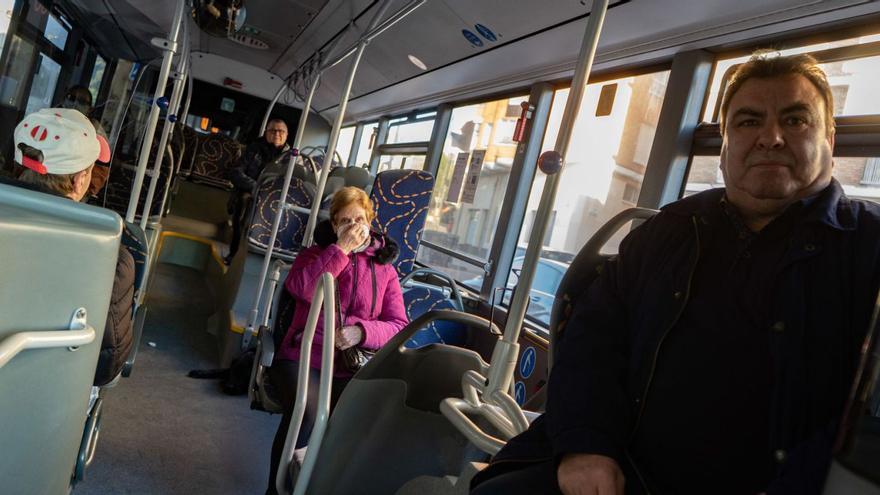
[388, 417]
[57, 255]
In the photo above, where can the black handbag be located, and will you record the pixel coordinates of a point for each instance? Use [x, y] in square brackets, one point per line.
[355, 357]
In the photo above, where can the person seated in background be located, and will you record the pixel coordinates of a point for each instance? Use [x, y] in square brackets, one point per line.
[58, 149]
[268, 149]
[80, 98]
[715, 353]
[370, 307]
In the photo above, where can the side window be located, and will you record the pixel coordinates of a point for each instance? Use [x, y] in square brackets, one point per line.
[343, 146]
[602, 176]
[469, 190]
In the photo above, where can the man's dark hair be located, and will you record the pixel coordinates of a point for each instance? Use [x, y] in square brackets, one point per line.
[766, 65]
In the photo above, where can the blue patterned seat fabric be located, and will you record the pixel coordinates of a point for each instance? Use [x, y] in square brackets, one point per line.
[135, 241]
[215, 156]
[400, 200]
[293, 224]
[419, 300]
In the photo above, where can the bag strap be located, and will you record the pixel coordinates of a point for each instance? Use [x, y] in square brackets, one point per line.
[373, 275]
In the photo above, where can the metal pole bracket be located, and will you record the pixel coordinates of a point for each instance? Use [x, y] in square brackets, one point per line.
[164, 44]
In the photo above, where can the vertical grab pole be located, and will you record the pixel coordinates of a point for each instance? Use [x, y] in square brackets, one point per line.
[170, 46]
[337, 124]
[173, 106]
[505, 354]
[249, 330]
[175, 169]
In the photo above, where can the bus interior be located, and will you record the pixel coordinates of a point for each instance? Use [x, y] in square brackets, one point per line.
[508, 146]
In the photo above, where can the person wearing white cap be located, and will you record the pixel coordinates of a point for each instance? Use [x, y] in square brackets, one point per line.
[58, 148]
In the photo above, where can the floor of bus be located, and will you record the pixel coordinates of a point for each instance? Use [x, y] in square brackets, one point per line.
[166, 433]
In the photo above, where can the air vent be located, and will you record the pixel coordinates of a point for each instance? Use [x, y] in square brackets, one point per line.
[249, 41]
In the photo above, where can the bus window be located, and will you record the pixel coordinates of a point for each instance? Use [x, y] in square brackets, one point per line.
[97, 77]
[469, 189]
[43, 85]
[16, 72]
[851, 80]
[397, 162]
[6, 7]
[343, 145]
[602, 176]
[410, 132]
[365, 147]
[55, 32]
[116, 98]
[859, 176]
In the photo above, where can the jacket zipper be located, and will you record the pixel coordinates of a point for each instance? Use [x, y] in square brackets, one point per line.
[687, 294]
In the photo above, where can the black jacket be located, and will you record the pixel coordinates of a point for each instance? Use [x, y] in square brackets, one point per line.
[118, 340]
[252, 162]
[824, 294]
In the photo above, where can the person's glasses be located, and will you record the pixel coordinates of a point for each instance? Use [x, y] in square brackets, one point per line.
[276, 131]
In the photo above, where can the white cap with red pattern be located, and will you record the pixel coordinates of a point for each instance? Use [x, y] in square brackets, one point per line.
[66, 138]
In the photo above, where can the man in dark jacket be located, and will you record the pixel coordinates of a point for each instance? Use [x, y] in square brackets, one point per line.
[58, 148]
[715, 353]
[256, 156]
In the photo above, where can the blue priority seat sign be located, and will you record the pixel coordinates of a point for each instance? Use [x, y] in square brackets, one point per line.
[527, 362]
[520, 391]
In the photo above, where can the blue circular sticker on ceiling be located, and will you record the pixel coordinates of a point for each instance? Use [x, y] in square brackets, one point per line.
[520, 391]
[472, 38]
[486, 32]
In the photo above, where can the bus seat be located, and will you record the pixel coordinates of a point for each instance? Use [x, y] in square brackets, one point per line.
[400, 201]
[135, 241]
[419, 298]
[388, 417]
[58, 256]
[118, 189]
[293, 223]
[215, 156]
[584, 269]
[353, 176]
[190, 143]
[262, 393]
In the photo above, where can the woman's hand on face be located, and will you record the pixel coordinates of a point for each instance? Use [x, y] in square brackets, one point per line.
[350, 237]
[349, 336]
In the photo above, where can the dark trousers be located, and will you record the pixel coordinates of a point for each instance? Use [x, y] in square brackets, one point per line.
[238, 208]
[538, 477]
[284, 376]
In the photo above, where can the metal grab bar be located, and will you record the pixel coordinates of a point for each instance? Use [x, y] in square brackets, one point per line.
[22, 341]
[78, 333]
[486, 396]
[323, 295]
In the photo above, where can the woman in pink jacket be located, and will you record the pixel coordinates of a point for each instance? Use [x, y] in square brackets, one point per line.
[370, 306]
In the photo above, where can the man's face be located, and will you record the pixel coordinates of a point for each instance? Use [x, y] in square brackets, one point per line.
[276, 134]
[776, 149]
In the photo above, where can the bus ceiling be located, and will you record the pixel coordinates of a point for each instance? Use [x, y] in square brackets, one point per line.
[452, 50]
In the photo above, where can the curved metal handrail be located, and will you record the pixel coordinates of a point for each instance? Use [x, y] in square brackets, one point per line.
[456, 293]
[323, 295]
